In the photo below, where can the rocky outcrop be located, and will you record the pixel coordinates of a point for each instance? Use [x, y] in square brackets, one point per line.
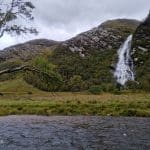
[28, 50]
[141, 42]
[141, 52]
[108, 35]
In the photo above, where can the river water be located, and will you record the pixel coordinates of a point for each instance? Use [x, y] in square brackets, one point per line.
[74, 133]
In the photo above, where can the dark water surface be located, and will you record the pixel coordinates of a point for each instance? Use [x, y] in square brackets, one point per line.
[74, 133]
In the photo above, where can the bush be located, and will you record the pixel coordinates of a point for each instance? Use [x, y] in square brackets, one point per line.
[132, 85]
[52, 82]
[76, 83]
[95, 89]
[108, 87]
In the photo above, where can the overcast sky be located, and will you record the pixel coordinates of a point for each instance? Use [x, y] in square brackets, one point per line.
[63, 19]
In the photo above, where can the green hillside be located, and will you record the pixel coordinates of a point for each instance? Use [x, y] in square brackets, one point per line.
[84, 61]
[17, 85]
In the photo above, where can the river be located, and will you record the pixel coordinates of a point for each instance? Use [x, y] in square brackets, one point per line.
[74, 133]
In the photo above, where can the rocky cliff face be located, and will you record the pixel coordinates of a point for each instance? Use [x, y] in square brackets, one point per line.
[141, 42]
[26, 51]
[141, 52]
[108, 35]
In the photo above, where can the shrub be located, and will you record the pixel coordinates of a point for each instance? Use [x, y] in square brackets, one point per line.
[108, 87]
[76, 83]
[52, 82]
[132, 85]
[95, 89]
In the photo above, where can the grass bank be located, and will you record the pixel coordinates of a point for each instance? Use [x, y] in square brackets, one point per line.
[43, 103]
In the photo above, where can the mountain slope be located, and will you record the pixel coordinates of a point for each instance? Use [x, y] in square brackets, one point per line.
[141, 53]
[109, 35]
[28, 50]
[92, 55]
[82, 61]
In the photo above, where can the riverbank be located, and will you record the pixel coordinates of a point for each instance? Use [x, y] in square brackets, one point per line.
[62, 133]
[44, 103]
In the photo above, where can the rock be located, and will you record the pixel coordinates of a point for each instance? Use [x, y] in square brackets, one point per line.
[142, 48]
[141, 53]
[102, 37]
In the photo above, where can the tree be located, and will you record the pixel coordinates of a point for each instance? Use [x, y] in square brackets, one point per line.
[44, 76]
[13, 10]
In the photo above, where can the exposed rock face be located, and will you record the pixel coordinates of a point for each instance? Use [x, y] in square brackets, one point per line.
[141, 42]
[108, 35]
[26, 50]
[141, 51]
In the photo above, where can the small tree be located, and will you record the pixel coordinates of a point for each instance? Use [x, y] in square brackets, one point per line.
[51, 82]
[10, 11]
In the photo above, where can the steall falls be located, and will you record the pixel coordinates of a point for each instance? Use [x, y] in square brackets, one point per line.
[124, 68]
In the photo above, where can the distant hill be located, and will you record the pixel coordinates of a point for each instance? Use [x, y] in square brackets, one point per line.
[28, 50]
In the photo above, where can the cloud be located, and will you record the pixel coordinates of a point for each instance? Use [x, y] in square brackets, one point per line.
[62, 19]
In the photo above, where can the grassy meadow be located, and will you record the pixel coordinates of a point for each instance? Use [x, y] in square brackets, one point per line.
[19, 98]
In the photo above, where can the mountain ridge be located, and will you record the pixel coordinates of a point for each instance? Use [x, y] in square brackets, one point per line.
[97, 38]
[27, 50]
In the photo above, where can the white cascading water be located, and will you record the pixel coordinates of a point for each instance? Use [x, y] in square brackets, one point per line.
[124, 68]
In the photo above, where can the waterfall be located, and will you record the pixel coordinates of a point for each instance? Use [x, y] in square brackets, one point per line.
[124, 68]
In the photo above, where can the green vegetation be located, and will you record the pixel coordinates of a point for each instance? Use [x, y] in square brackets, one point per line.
[9, 65]
[17, 85]
[44, 103]
[95, 89]
[93, 69]
[39, 80]
[124, 26]
[141, 54]
[17, 98]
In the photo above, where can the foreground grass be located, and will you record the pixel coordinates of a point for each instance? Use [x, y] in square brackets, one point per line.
[20, 98]
[40, 103]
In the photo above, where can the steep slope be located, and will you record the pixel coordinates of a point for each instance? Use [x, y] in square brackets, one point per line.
[92, 55]
[109, 35]
[28, 50]
[141, 53]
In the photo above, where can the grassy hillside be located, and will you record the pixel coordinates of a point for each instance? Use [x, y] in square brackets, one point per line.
[126, 26]
[17, 85]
